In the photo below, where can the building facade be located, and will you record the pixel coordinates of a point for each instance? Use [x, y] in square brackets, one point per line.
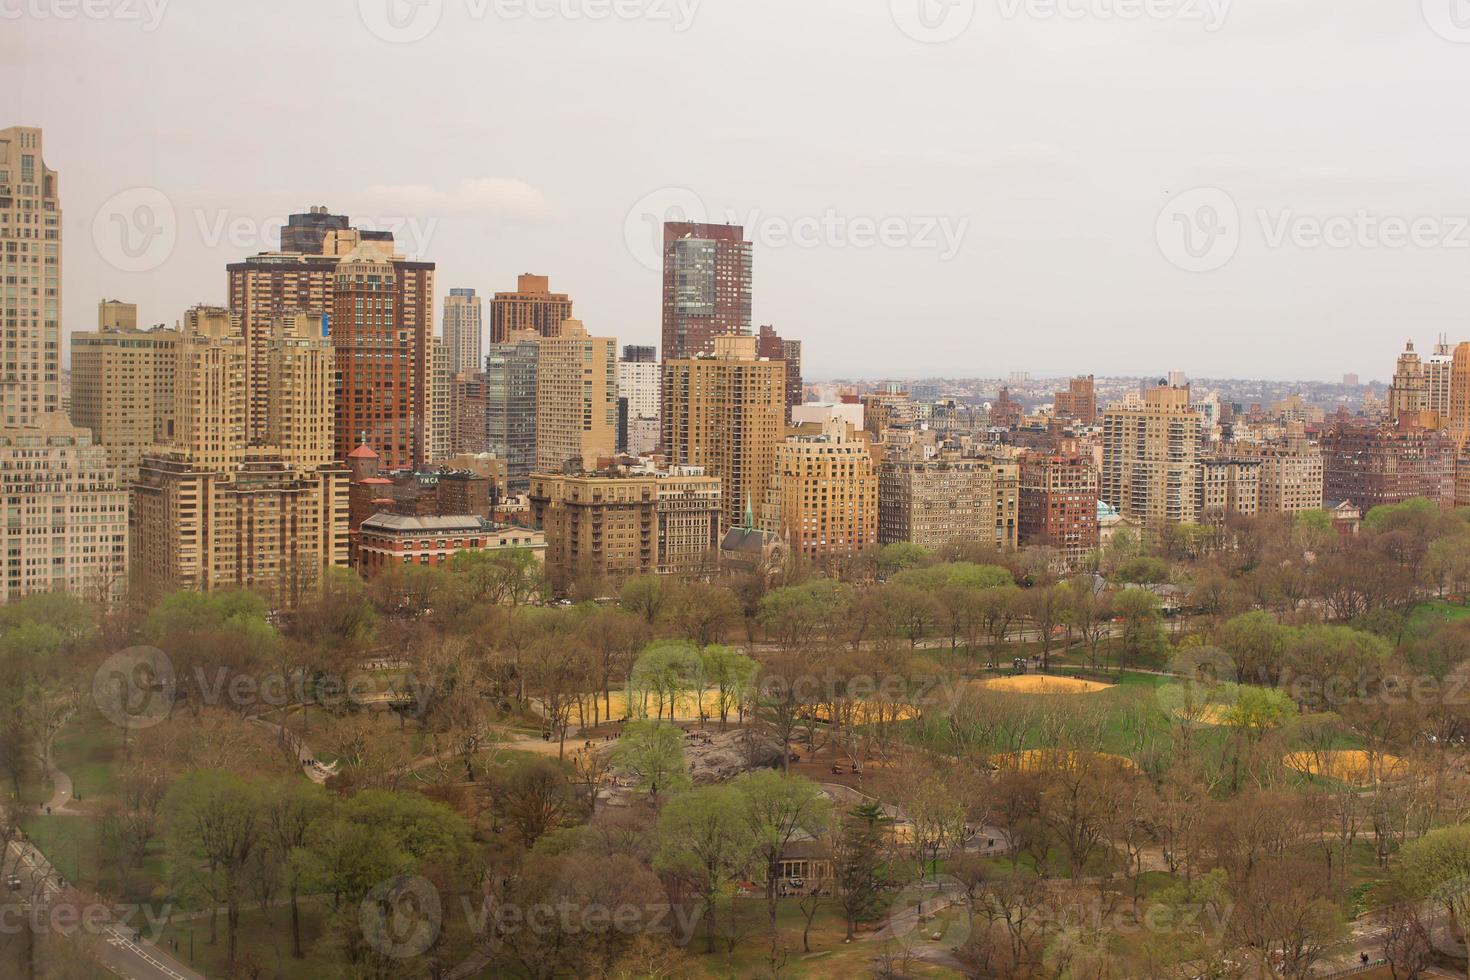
[1058, 504]
[639, 377]
[614, 525]
[511, 370]
[938, 501]
[1371, 465]
[772, 346]
[392, 540]
[1150, 467]
[823, 500]
[30, 266]
[1079, 401]
[726, 414]
[531, 307]
[576, 400]
[707, 286]
[463, 330]
[122, 388]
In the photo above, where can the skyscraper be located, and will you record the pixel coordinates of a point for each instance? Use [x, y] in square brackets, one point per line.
[30, 267]
[462, 330]
[381, 330]
[510, 405]
[576, 400]
[533, 306]
[638, 401]
[707, 286]
[771, 345]
[1151, 458]
[1079, 401]
[726, 413]
[823, 499]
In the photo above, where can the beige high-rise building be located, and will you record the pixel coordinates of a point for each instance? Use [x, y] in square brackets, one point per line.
[533, 307]
[122, 388]
[441, 402]
[1228, 486]
[114, 314]
[66, 526]
[302, 370]
[618, 524]
[1291, 472]
[210, 389]
[463, 327]
[727, 414]
[1150, 468]
[212, 511]
[1459, 414]
[823, 500]
[938, 501]
[576, 400]
[30, 268]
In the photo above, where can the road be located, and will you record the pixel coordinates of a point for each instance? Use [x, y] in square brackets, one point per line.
[120, 952]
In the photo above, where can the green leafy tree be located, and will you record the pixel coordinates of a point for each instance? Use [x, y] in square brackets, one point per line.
[652, 752]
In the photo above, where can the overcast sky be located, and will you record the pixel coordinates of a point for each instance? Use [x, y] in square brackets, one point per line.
[959, 188]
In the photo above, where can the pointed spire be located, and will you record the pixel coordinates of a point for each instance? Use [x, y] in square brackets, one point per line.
[749, 513]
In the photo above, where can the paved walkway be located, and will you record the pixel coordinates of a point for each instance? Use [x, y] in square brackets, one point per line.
[61, 794]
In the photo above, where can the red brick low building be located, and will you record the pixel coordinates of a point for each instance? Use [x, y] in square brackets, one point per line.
[385, 540]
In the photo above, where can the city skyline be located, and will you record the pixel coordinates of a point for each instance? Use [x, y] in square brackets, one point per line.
[1055, 258]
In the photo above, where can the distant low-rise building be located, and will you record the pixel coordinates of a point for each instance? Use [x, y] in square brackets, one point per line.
[390, 540]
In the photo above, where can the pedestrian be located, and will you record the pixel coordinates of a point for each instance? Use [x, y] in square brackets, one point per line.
[48, 809]
[1363, 958]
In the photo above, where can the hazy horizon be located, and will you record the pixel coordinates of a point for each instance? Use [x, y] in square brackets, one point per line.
[934, 187]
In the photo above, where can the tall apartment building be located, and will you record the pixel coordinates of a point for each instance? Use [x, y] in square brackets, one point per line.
[440, 417]
[707, 286]
[638, 401]
[1409, 394]
[1151, 458]
[381, 332]
[576, 400]
[463, 330]
[726, 413]
[1291, 472]
[1227, 486]
[823, 500]
[467, 419]
[302, 277]
[1438, 368]
[619, 524]
[532, 306]
[933, 502]
[770, 344]
[122, 388]
[510, 405]
[30, 267]
[1079, 401]
[66, 527]
[302, 368]
[1371, 465]
[213, 511]
[1058, 503]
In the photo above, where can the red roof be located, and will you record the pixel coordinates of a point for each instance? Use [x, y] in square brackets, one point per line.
[362, 452]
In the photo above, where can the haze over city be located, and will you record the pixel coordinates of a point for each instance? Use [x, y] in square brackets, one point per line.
[1023, 166]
